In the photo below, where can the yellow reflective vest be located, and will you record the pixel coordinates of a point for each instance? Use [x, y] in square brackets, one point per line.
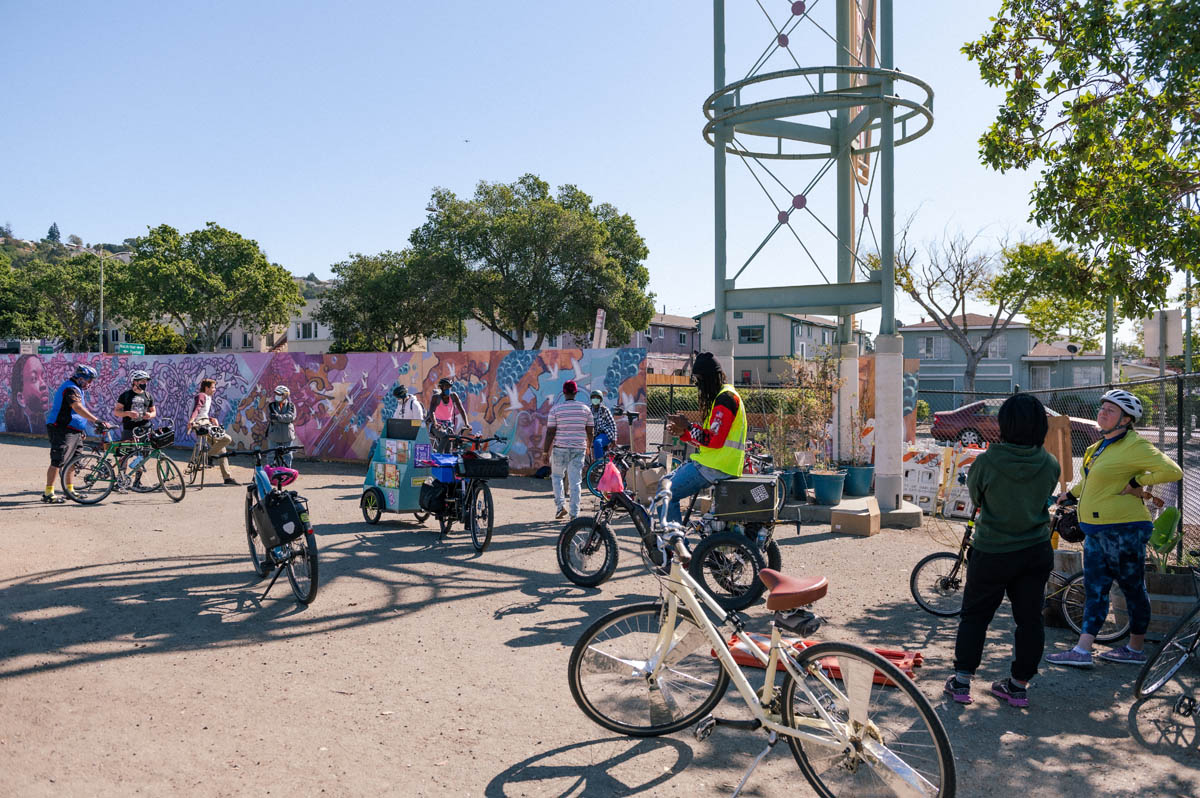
[731, 457]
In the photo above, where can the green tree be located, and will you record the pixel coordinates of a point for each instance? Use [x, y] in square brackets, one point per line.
[385, 303]
[1102, 96]
[518, 259]
[52, 235]
[159, 339]
[67, 292]
[207, 281]
[75, 240]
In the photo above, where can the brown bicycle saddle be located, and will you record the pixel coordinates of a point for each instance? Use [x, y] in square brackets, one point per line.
[789, 592]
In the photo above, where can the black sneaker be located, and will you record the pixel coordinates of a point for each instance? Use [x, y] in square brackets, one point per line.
[1014, 694]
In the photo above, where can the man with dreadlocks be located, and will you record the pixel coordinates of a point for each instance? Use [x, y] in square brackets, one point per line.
[721, 441]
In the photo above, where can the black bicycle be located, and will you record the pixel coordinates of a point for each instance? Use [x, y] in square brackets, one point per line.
[459, 491]
[1177, 648]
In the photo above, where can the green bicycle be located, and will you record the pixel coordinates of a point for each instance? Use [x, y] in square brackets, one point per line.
[124, 465]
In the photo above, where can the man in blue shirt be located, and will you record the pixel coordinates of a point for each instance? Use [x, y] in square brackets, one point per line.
[66, 424]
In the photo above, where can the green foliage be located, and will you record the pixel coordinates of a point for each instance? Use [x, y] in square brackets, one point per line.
[52, 235]
[1063, 300]
[68, 293]
[159, 339]
[208, 282]
[386, 303]
[1102, 96]
[923, 411]
[517, 259]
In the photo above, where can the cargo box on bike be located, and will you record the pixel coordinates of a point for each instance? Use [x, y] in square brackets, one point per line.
[443, 466]
[483, 465]
[747, 498]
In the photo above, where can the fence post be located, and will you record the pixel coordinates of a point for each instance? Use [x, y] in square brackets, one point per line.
[1179, 426]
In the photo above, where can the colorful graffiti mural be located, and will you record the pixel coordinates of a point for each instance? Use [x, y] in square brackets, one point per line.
[341, 400]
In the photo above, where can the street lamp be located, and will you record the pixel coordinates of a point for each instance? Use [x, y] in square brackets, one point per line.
[103, 255]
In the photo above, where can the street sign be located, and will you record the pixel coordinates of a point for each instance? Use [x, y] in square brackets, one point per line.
[131, 349]
[26, 348]
[45, 350]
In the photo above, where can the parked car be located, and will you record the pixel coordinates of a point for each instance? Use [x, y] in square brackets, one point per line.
[978, 422]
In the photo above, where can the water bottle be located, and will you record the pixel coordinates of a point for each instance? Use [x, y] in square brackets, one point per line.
[136, 462]
[762, 537]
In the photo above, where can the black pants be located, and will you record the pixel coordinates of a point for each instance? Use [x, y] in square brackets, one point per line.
[1022, 575]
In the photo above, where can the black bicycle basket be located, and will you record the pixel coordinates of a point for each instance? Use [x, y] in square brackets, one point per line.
[1066, 524]
[483, 465]
[162, 437]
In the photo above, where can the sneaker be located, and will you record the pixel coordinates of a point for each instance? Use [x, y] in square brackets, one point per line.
[1011, 692]
[230, 481]
[958, 691]
[1072, 658]
[1124, 654]
[52, 499]
[561, 514]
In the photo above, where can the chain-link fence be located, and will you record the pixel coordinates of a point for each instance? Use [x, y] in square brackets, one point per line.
[1172, 413]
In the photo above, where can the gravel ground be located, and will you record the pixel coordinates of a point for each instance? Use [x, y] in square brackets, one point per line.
[136, 657]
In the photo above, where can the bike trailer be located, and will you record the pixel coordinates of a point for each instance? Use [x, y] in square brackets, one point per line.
[747, 498]
[281, 517]
[162, 437]
[483, 465]
[443, 466]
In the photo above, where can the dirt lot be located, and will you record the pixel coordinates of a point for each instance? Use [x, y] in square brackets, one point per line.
[136, 658]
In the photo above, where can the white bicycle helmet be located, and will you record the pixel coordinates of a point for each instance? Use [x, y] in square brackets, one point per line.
[139, 375]
[1130, 405]
[282, 390]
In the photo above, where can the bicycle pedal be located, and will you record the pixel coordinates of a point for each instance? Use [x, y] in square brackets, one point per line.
[704, 727]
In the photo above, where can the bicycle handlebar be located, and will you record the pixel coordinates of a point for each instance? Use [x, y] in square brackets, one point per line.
[258, 452]
[474, 438]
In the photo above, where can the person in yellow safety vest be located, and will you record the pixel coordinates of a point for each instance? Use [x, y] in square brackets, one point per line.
[721, 440]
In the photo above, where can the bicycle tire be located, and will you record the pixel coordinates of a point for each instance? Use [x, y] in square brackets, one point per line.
[94, 478]
[614, 696]
[134, 478]
[258, 550]
[578, 544]
[370, 505]
[421, 516]
[193, 468]
[302, 567]
[1072, 603]
[169, 478]
[1178, 647]
[481, 515]
[827, 767]
[726, 565]
[932, 575]
[591, 477]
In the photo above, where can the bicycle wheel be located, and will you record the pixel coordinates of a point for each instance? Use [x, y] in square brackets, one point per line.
[372, 509]
[883, 740]
[726, 565]
[608, 682]
[937, 584]
[169, 478]
[591, 477]
[481, 515]
[587, 552]
[769, 551]
[302, 567]
[421, 516]
[1073, 598]
[1178, 648]
[258, 549]
[93, 478]
[137, 479]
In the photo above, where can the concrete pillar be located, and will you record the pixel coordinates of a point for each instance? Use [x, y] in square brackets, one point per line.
[723, 352]
[889, 420]
[847, 401]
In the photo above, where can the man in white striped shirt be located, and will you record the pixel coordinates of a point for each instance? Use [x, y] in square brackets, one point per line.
[568, 436]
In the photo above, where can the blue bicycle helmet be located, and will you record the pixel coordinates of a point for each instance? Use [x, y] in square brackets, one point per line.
[84, 372]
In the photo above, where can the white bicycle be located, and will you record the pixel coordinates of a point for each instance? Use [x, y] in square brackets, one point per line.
[856, 725]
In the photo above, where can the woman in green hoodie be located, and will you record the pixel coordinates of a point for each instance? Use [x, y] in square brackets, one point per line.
[1010, 483]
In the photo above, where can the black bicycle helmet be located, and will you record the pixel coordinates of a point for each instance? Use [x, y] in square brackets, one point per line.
[1066, 524]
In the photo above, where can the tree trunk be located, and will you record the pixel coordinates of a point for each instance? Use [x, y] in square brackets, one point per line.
[969, 374]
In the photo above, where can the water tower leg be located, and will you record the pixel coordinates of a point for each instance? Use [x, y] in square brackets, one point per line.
[847, 401]
[889, 420]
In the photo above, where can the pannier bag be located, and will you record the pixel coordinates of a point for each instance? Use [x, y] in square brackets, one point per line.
[162, 437]
[432, 498]
[483, 465]
[746, 498]
[281, 517]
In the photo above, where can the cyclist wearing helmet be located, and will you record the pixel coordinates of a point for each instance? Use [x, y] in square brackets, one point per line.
[135, 407]
[66, 423]
[445, 414]
[606, 428]
[281, 414]
[1112, 513]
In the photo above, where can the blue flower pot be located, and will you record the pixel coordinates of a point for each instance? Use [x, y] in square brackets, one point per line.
[827, 488]
[858, 480]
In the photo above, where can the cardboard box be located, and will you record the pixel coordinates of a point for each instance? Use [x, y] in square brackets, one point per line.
[644, 482]
[863, 523]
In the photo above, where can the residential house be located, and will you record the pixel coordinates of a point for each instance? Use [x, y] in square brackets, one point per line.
[669, 342]
[475, 337]
[764, 341]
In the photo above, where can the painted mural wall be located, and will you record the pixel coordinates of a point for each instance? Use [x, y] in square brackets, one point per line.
[341, 400]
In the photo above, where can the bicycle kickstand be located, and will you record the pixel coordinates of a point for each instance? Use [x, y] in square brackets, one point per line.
[772, 738]
[278, 571]
[705, 727]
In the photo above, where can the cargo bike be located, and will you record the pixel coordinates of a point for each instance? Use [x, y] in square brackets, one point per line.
[458, 489]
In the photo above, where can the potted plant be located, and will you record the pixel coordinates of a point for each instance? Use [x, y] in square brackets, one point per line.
[859, 469]
[817, 381]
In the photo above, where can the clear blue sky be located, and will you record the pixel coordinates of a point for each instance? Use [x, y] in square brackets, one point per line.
[319, 129]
